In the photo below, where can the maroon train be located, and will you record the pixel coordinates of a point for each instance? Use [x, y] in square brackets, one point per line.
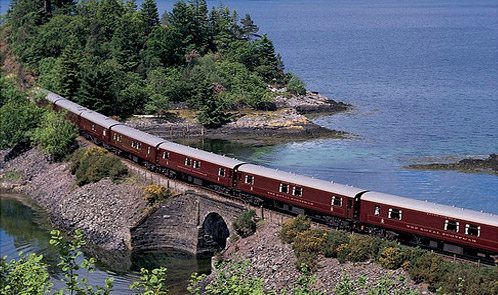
[455, 230]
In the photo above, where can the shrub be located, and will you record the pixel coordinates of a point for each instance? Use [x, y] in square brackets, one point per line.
[363, 248]
[343, 251]
[391, 258]
[307, 245]
[333, 240]
[245, 225]
[92, 164]
[425, 268]
[55, 136]
[294, 226]
[155, 192]
[296, 86]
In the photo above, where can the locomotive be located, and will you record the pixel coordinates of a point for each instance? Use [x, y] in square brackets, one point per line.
[445, 228]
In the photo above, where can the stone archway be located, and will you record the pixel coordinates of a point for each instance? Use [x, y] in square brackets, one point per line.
[213, 234]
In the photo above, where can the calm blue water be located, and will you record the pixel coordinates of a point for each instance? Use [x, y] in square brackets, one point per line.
[422, 75]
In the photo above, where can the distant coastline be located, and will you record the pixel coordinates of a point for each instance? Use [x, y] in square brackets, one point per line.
[468, 165]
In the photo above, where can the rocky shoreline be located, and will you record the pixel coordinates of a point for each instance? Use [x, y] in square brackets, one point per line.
[104, 210]
[469, 165]
[287, 123]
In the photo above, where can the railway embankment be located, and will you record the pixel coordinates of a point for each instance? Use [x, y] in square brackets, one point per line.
[290, 120]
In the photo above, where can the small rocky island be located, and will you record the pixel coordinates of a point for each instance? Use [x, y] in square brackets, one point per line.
[470, 165]
[285, 120]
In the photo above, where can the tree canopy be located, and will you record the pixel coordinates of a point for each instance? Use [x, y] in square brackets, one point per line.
[119, 59]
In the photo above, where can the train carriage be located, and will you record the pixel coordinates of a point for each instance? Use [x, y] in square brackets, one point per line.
[50, 99]
[73, 110]
[435, 223]
[318, 195]
[138, 144]
[198, 163]
[96, 126]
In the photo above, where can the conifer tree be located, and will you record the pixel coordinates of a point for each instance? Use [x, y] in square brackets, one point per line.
[249, 29]
[70, 63]
[270, 64]
[150, 15]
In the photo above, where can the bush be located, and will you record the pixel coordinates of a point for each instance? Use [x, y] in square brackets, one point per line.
[55, 136]
[333, 240]
[92, 164]
[294, 226]
[391, 258]
[363, 248]
[155, 192]
[307, 245]
[425, 268]
[296, 86]
[245, 225]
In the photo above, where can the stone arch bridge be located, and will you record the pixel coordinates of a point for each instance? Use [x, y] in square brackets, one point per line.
[189, 222]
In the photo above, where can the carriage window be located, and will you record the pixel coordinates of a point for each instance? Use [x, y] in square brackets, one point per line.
[139, 145]
[148, 150]
[297, 191]
[93, 127]
[394, 214]
[197, 164]
[336, 201]
[451, 225]
[114, 137]
[188, 162]
[249, 179]
[104, 132]
[472, 230]
[165, 155]
[133, 144]
[284, 188]
[221, 172]
[377, 210]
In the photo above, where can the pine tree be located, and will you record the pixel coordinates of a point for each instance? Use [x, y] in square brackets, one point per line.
[270, 64]
[150, 15]
[249, 29]
[70, 62]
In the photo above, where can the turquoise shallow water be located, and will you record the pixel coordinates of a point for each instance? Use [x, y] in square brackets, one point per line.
[422, 76]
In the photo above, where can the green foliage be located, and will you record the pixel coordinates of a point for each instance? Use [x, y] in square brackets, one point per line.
[8, 90]
[92, 164]
[363, 248]
[106, 54]
[244, 224]
[27, 275]
[391, 258]
[55, 135]
[154, 193]
[231, 279]
[295, 85]
[334, 240]
[307, 245]
[18, 119]
[292, 227]
[151, 282]
[70, 253]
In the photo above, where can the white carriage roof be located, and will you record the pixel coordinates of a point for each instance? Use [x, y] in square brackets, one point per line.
[433, 208]
[138, 135]
[301, 180]
[53, 97]
[200, 154]
[71, 106]
[99, 119]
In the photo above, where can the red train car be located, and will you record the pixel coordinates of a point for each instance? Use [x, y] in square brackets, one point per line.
[198, 163]
[97, 126]
[318, 195]
[444, 227]
[138, 144]
[73, 110]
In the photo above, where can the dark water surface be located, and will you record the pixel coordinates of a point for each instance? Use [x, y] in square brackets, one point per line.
[422, 75]
[26, 228]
